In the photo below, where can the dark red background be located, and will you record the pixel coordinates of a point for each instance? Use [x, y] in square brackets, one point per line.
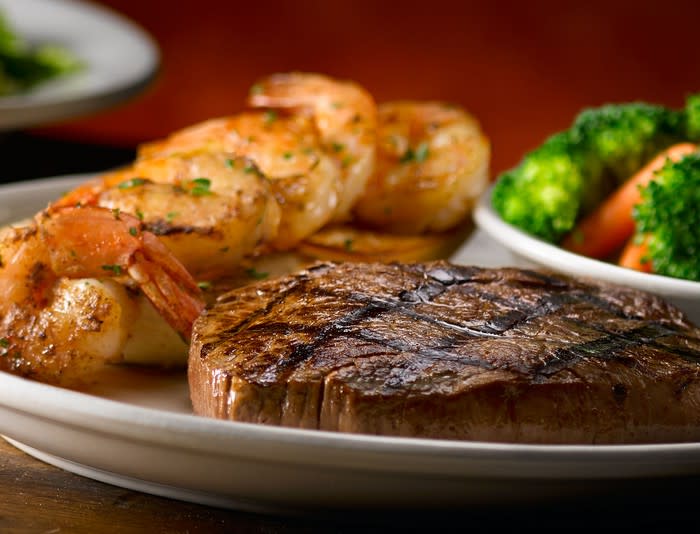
[523, 68]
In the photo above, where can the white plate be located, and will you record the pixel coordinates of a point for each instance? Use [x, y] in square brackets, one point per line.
[139, 433]
[683, 293]
[120, 59]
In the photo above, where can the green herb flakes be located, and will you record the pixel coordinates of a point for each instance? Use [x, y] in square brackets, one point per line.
[419, 155]
[133, 182]
[200, 187]
[256, 275]
[116, 269]
[270, 116]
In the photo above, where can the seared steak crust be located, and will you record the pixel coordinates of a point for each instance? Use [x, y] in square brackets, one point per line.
[445, 351]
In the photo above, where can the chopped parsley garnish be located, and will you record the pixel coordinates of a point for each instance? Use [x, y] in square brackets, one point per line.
[287, 155]
[347, 161]
[139, 214]
[133, 182]
[251, 169]
[338, 147]
[171, 215]
[256, 89]
[270, 116]
[419, 155]
[347, 244]
[116, 212]
[200, 187]
[134, 231]
[257, 275]
[203, 285]
[229, 163]
[116, 269]
[4, 342]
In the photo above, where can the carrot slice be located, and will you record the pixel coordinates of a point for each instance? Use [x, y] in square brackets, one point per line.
[611, 224]
[634, 255]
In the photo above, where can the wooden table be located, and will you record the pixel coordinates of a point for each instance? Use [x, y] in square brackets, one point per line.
[35, 497]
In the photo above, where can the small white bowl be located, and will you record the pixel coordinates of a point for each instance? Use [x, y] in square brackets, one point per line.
[683, 293]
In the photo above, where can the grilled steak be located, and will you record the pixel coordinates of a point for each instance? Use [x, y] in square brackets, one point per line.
[444, 351]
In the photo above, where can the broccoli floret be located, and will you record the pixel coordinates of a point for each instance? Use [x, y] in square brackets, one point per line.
[692, 117]
[624, 137]
[669, 220]
[543, 195]
[567, 176]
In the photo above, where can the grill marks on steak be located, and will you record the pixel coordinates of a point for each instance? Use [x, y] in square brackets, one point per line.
[440, 350]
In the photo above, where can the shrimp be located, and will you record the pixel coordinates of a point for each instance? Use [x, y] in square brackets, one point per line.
[432, 164]
[305, 181]
[345, 116]
[67, 282]
[210, 209]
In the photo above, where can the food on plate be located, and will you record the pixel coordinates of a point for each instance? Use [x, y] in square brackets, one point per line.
[22, 66]
[444, 351]
[263, 193]
[573, 171]
[432, 164]
[211, 209]
[66, 301]
[603, 231]
[315, 142]
[651, 219]
[343, 113]
[344, 242]
[667, 219]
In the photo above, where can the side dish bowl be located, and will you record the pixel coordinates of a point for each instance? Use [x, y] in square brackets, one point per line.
[683, 293]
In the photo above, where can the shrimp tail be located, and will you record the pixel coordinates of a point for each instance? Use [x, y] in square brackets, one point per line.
[92, 242]
[168, 285]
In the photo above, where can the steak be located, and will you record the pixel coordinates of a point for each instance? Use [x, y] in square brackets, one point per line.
[445, 351]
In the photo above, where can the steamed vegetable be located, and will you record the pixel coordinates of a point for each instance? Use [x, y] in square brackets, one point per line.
[610, 225]
[22, 66]
[566, 177]
[668, 219]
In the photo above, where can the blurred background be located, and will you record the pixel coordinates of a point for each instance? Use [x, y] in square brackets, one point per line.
[524, 69]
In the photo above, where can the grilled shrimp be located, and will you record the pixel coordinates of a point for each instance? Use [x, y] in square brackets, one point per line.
[305, 181]
[432, 164]
[209, 208]
[67, 292]
[345, 116]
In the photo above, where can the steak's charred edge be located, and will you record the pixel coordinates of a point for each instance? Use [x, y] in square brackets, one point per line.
[437, 281]
[260, 312]
[581, 403]
[609, 346]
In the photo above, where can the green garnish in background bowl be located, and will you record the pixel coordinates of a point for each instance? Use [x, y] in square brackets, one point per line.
[23, 66]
